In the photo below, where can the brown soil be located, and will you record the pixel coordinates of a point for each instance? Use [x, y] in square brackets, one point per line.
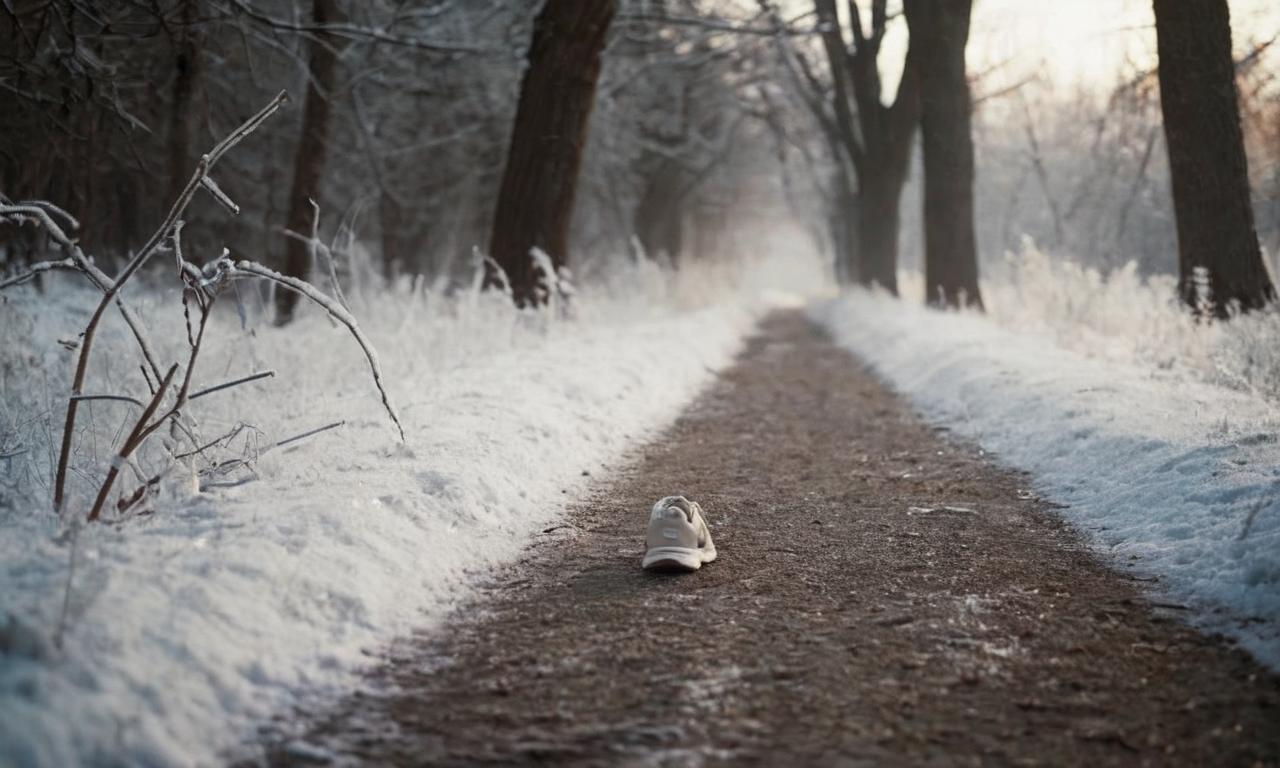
[842, 625]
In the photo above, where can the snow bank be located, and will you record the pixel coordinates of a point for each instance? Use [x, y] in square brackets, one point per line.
[1124, 317]
[1163, 470]
[187, 628]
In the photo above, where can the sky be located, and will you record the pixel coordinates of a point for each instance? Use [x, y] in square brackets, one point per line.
[1085, 42]
[1090, 41]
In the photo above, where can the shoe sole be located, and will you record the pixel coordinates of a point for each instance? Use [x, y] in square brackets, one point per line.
[676, 559]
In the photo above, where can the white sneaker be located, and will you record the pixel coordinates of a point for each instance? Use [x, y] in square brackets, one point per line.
[679, 539]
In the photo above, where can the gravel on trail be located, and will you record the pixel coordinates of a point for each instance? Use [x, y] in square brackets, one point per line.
[885, 594]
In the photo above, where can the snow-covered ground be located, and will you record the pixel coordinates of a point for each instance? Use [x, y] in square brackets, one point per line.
[1169, 470]
[176, 634]
[1123, 317]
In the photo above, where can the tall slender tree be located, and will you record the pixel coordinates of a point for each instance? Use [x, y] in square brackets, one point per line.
[940, 34]
[308, 166]
[876, 137]
[659, 213]
[557, 93]
[186, 74]
[1219, 259]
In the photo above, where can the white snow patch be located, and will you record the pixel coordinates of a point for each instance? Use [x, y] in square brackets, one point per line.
[189, 628]
[1160, 467]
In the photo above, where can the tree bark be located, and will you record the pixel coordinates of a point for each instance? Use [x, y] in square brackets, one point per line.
[1219, 259]
[557, 93]
[939, 35]
[309, 161]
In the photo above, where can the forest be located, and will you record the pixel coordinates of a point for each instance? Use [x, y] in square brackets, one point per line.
[330, 326]
[706, 114]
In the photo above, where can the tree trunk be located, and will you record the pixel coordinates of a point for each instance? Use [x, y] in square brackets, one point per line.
[658, 222]
[879, 148]
[877, 236]
[939, 34]
[308, 167]
[844, 219]
[391, 227]
[535, 201]
[1219, 260]
[186, 65]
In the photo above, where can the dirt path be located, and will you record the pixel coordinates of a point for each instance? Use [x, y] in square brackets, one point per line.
[843, 624]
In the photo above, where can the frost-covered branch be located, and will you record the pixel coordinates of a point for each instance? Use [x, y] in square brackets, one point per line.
[245, 269]
[317, 246]
[308, 433]
[39, 211]
[112, 290]
[233, 383]
[131, 443]
[170, 389]
[112, 398]
[35, 269]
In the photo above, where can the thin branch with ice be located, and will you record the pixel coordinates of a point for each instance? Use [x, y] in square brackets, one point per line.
[245, 269]
[307, 434]
[115, 398]
[35, 269]
[112, 290]
[136, 436]
[233, 383]
[37, 211]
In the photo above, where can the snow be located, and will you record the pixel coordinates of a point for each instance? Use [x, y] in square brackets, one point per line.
[1123, 317]
[1166, 470]
[185, 630]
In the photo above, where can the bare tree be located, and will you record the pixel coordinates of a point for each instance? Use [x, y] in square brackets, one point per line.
[535, 201]
[309, 162]
[940, 33]
[878, 146]
[1219, 260]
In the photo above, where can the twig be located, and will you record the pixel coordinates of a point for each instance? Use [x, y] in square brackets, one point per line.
[307, 434]
[151, 387]
[135, 438]
[96, 276]
[316, 246]
[237, 429]
[119, 398]
[180, 400]
[49, 207]
[212, 188]
[229, 384]
[186, 317]
[328, 254]
[337, 312]
[35, 269]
